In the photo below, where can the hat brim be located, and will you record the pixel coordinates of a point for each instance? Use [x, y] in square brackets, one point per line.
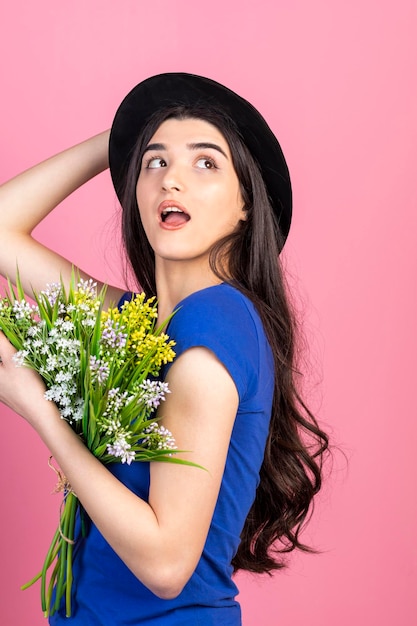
[164, 90]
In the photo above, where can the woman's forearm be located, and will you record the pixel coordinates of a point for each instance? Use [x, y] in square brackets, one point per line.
[26, 199]
[127, 522]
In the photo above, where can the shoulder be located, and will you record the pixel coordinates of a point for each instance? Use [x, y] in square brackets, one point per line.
[225, 321]
[221, 310]
[213, 304]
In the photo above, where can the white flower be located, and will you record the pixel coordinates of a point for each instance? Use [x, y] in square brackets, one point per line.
[33, 330]
[67, 326]
[99, 370]
[63, 377]
[78, 409]
[52, 292]
[19, 357]
[51, 363]
[159, 438]
[89, 322]
[153, 392]
[22, 309]
[121, 449]
[87, 287]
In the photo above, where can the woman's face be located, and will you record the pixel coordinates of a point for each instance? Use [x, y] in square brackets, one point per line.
[188, 192]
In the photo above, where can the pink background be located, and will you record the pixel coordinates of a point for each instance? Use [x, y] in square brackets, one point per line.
[337, 82]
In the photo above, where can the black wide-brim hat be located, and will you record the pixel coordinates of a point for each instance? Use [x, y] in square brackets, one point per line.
[158, 92]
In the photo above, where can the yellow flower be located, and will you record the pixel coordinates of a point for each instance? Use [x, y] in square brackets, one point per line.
[137, 319]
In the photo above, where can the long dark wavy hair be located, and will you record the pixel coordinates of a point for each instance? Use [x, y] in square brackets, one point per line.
[291, 473]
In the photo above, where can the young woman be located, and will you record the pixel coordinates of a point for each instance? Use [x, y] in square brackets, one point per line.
[206, 200]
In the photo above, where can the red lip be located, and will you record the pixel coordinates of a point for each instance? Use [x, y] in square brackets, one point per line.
[172, 203]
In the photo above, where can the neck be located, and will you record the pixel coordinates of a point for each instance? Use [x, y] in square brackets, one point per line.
[177, 280]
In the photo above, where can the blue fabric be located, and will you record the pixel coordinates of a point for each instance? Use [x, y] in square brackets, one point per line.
[106, 593]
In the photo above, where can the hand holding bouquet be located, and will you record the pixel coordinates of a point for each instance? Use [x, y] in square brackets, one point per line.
[99, 367]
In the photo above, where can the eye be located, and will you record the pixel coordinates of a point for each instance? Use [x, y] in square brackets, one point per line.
[155, 162]
[206, 163]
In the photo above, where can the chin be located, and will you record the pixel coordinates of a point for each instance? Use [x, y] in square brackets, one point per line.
[173, 255]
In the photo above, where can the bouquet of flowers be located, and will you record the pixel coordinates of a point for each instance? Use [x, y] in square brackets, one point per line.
[98, 366]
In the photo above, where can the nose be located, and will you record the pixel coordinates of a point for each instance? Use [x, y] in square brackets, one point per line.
[172, 178]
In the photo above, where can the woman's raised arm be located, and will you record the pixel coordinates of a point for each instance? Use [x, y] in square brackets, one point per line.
[29, 197]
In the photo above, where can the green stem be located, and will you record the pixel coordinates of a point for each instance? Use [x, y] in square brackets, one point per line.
[48, 560]
[31, 582]
[74, 506]
[47, 611]
[62, 556]
[50, 557]
[67, 530]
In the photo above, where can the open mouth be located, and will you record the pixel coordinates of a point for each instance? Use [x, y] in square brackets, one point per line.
[174, 216]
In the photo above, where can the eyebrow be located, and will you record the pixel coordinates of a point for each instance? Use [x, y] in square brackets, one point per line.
[155, 146]
[204, 145]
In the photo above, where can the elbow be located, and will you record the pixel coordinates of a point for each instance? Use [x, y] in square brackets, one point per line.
[168, 582]
[166, 569]
[167, 592]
